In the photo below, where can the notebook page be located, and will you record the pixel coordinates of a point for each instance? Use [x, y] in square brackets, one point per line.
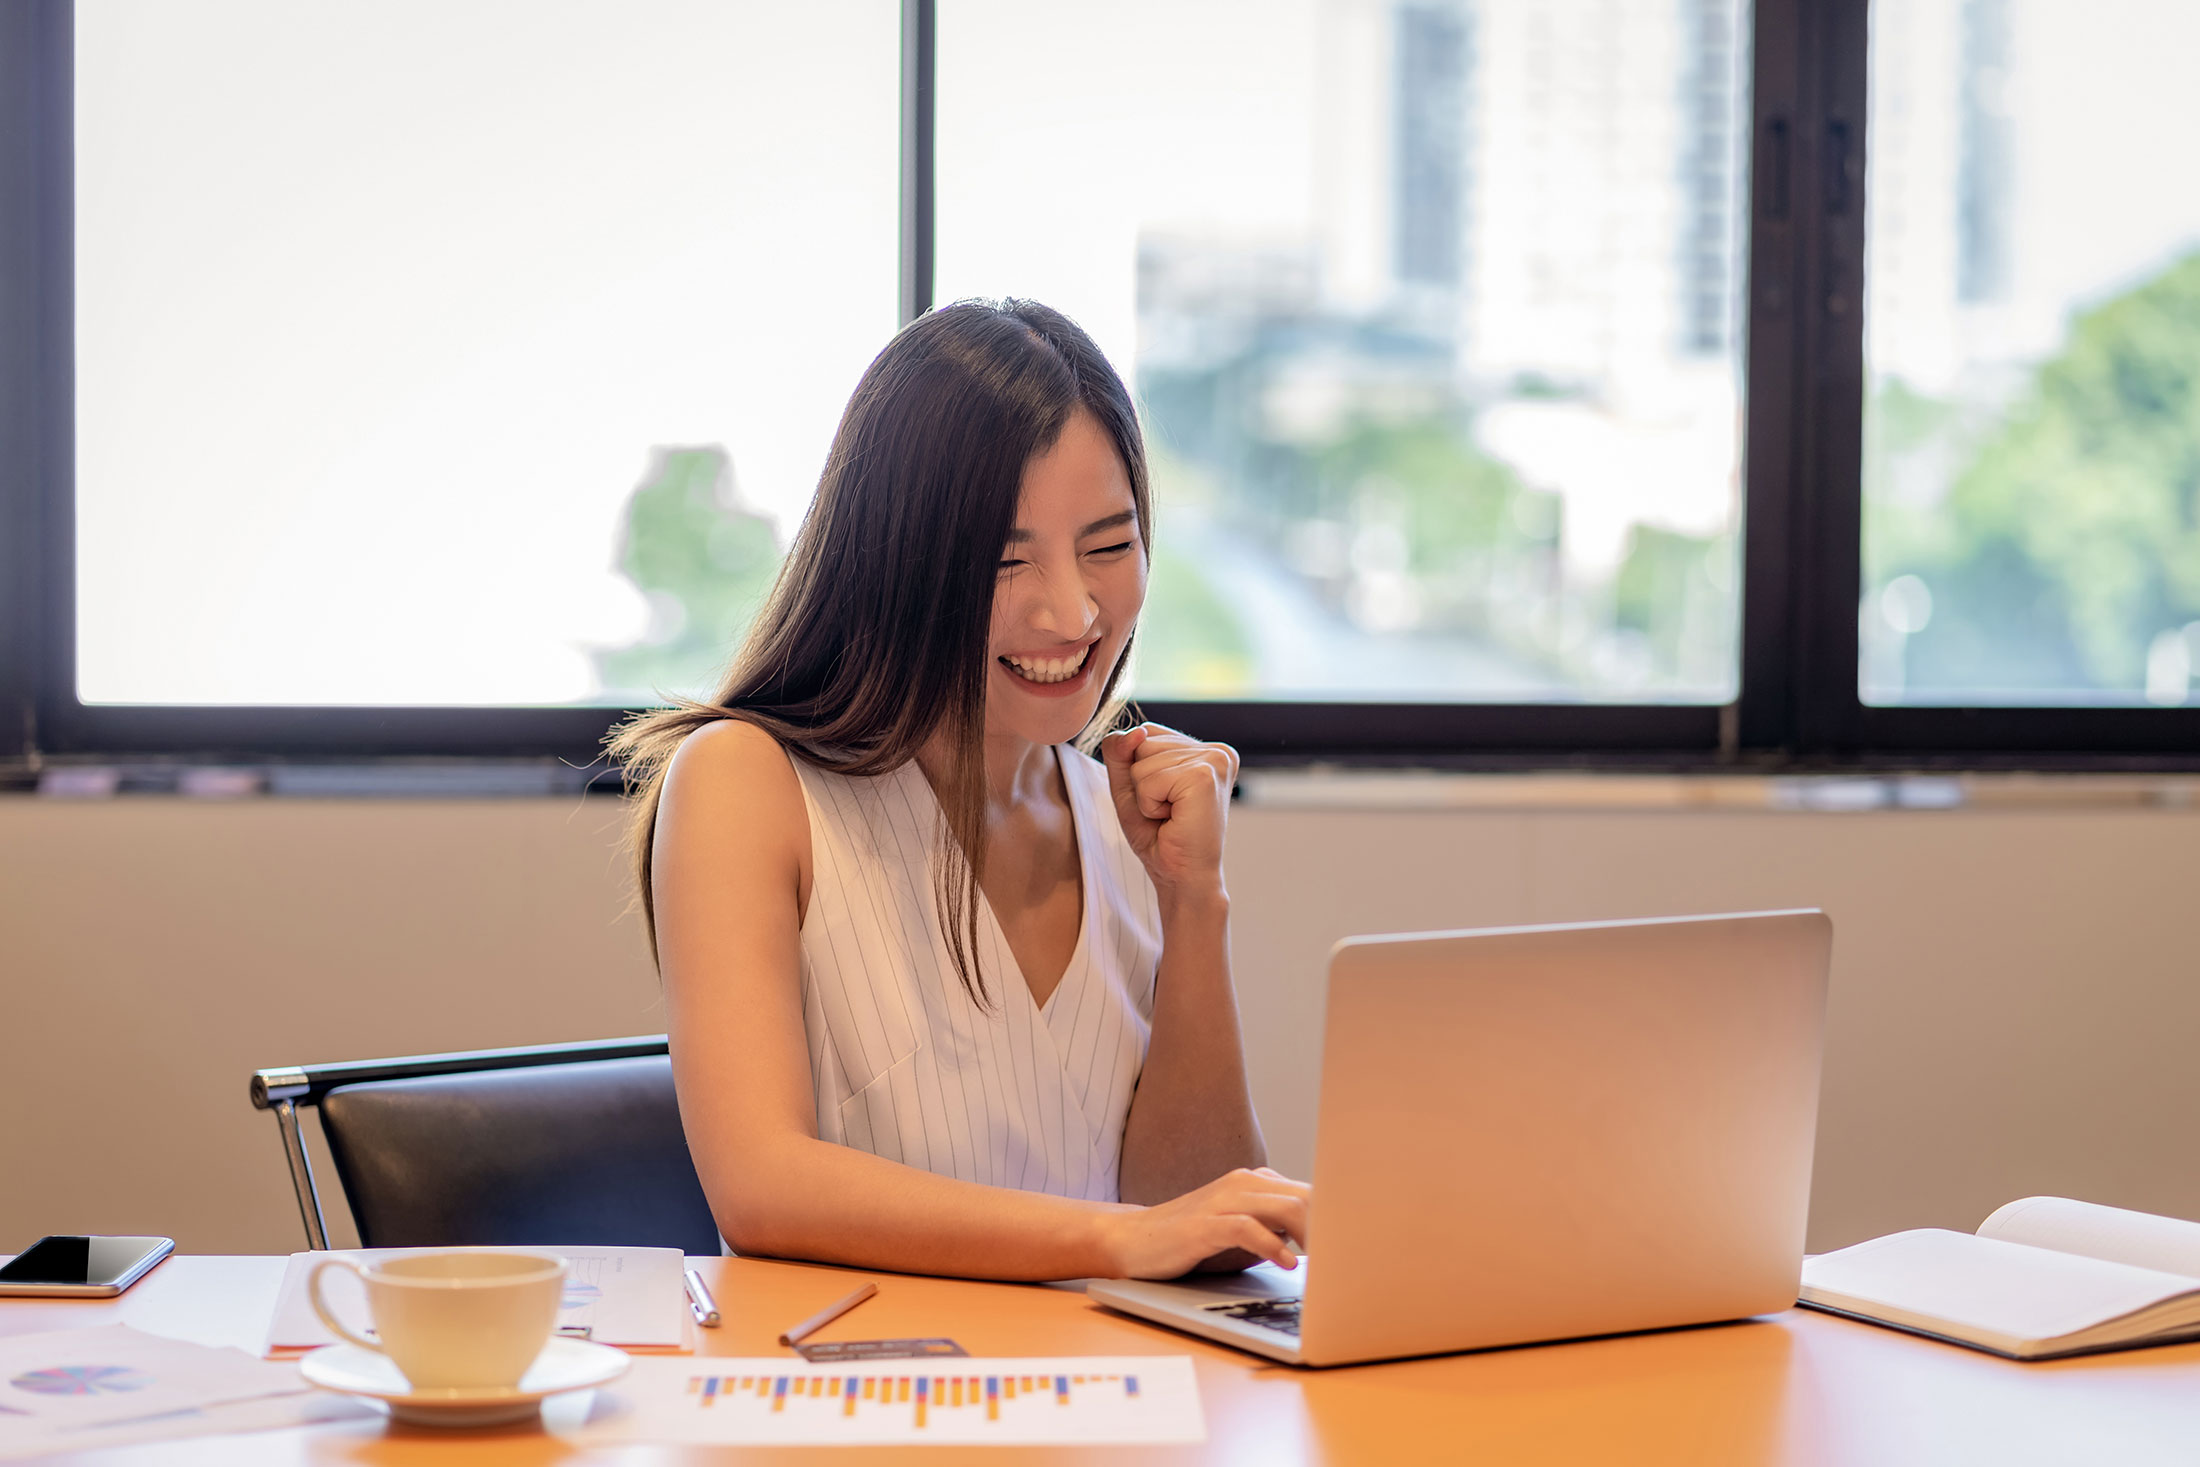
[2141, 1239]
[1984, 1285]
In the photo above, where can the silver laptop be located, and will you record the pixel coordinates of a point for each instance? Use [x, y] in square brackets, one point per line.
[1542, 1133]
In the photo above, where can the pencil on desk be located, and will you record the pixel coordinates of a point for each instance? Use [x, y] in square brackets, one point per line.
[798, 1333]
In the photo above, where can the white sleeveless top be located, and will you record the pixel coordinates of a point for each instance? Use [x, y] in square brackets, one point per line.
[905, 1063]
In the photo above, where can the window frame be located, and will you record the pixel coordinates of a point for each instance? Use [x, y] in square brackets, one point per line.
[1798, 704]
[1830, 722]
[33, 326]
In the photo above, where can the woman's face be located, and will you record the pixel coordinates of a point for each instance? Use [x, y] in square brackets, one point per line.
[1072, 578]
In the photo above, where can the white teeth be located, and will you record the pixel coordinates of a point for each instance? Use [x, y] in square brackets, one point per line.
[1049, 669]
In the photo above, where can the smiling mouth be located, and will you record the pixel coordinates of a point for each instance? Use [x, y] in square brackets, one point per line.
[1049, 669]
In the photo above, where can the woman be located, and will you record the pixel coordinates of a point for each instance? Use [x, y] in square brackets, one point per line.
[947, 995]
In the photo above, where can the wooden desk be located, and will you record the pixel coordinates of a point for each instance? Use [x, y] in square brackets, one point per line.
[1797, 1388]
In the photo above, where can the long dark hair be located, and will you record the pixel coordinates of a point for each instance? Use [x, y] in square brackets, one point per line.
[874, 637]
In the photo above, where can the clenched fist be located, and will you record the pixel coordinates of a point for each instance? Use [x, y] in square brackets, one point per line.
[1172, 795]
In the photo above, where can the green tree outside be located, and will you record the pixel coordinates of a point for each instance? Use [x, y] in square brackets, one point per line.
[703, 562]
[1672, 591]
[1190, 643]
[2071, 541]
[1458, 502]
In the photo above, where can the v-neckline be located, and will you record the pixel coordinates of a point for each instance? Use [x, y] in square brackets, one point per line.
[1071, 968]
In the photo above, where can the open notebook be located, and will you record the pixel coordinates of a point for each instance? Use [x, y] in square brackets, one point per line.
[2043, 1276]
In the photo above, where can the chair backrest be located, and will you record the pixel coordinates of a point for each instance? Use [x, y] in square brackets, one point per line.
[588, 1152]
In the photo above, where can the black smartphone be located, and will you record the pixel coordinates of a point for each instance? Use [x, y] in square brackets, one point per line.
[78, 1267]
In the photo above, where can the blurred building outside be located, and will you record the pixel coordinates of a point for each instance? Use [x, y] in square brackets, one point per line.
[1473, 434]
[1474, 437]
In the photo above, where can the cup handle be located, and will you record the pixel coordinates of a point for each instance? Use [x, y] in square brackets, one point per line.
[328, 1317]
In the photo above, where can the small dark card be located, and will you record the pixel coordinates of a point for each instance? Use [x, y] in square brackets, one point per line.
[877, 1350]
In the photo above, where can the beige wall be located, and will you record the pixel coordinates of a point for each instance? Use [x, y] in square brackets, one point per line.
[2014, 1005]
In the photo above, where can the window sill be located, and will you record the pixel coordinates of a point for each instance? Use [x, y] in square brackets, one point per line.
[1402, 790]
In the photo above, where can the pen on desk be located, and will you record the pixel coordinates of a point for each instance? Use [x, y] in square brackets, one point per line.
[700, 1303]
[798, 1333]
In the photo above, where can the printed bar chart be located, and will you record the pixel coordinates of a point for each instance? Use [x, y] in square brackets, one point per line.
[1006, 1401]
[926, 1394]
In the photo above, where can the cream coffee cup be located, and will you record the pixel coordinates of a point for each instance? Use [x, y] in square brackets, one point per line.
[454, 1320]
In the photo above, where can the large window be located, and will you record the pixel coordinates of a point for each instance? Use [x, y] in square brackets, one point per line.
[477, 353]
[1599, 380]
[1432, 308]
[2032, 468]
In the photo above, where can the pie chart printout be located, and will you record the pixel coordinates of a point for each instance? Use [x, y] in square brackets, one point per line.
[82, 1380]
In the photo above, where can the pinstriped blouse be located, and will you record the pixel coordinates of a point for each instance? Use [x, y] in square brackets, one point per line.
[905, 1064]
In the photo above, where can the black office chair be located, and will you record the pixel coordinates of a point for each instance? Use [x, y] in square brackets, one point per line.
[559, 1143]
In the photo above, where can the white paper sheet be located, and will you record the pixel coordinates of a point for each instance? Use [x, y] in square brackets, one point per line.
[634, 1298]
[73, 1389]
[1084, 1401]
[2141, 1239]
[267, 1413]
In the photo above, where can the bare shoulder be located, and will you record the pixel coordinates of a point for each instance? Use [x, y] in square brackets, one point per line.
[732, 757]
[731, 776]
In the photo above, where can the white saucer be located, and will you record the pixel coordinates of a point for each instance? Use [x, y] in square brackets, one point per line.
[563, 1365]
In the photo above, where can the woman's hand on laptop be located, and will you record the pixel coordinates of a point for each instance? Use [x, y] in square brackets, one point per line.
[1240, 1218]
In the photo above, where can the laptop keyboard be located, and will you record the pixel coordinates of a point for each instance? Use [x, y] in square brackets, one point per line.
[1280, 1315]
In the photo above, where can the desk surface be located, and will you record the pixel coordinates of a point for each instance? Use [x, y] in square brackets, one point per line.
[1797, 1388]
